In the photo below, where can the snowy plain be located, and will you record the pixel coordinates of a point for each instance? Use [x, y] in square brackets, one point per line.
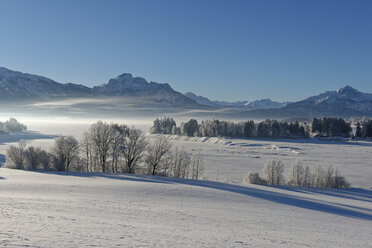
[53, 209]
[40, 209]
[225, 160]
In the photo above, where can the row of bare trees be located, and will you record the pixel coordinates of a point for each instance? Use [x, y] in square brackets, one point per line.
[273, 174]
[110, 148]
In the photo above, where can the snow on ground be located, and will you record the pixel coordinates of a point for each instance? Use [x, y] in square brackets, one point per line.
[40, 209]
[229, 160]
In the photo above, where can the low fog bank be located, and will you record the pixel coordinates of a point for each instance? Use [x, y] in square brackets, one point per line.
[124, 108]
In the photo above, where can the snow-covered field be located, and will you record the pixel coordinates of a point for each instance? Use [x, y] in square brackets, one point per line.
[227, 160]
[85, 210]
[97, 210]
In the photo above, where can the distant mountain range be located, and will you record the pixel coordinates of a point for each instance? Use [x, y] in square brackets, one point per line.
[345, 102]
[249, 105]
[21, 86]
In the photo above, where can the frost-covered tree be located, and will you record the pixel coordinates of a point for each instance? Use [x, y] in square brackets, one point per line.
[119, 133]
[164, 125]
[296, 174]
[180, 163]
[273, 172]
[135, 144]
[253, 178]
[307, 177]
[86, 148]
[190, 128]
[16, 157]
[65, 152]
[318, 177]
[197, 169]
[12, 125]
[101, 135]
[33, 158]
[30, 158]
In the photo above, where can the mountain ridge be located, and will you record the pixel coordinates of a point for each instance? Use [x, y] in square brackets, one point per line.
[16, 85]
[344, 102]
[249, 105]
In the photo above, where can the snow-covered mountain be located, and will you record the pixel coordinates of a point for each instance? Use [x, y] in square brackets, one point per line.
[128, 86]
[249, 105]
[22, 86]
[265, 104]
[344, 102]
[17, 85]
[201, 100]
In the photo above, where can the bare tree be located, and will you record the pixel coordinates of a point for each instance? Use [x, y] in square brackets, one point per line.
[15, 156]
[329, 177]
[318, 177]
[253, 178]
[134, 146]
[340, 181]
[181, 162]
[86, 148]
[307, 177]
[197, 167]
[44, 159]
[33, 157]
[273, 171]
[65, 151]
[157, 152]
[101, 136]
[296, 174]
[119, 133]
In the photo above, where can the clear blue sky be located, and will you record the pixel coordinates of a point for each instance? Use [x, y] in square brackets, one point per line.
[225, 50]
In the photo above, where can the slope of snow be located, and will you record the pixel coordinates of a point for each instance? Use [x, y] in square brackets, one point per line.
[85, 210]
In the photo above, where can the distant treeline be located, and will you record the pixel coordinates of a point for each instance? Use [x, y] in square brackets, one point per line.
[364, 129]
[218, 128]
[331, 127]
[328, 127]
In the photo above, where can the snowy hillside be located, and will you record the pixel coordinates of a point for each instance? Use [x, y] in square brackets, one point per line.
[103, 210]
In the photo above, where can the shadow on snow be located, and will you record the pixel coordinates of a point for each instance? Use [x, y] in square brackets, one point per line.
[277, 197]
